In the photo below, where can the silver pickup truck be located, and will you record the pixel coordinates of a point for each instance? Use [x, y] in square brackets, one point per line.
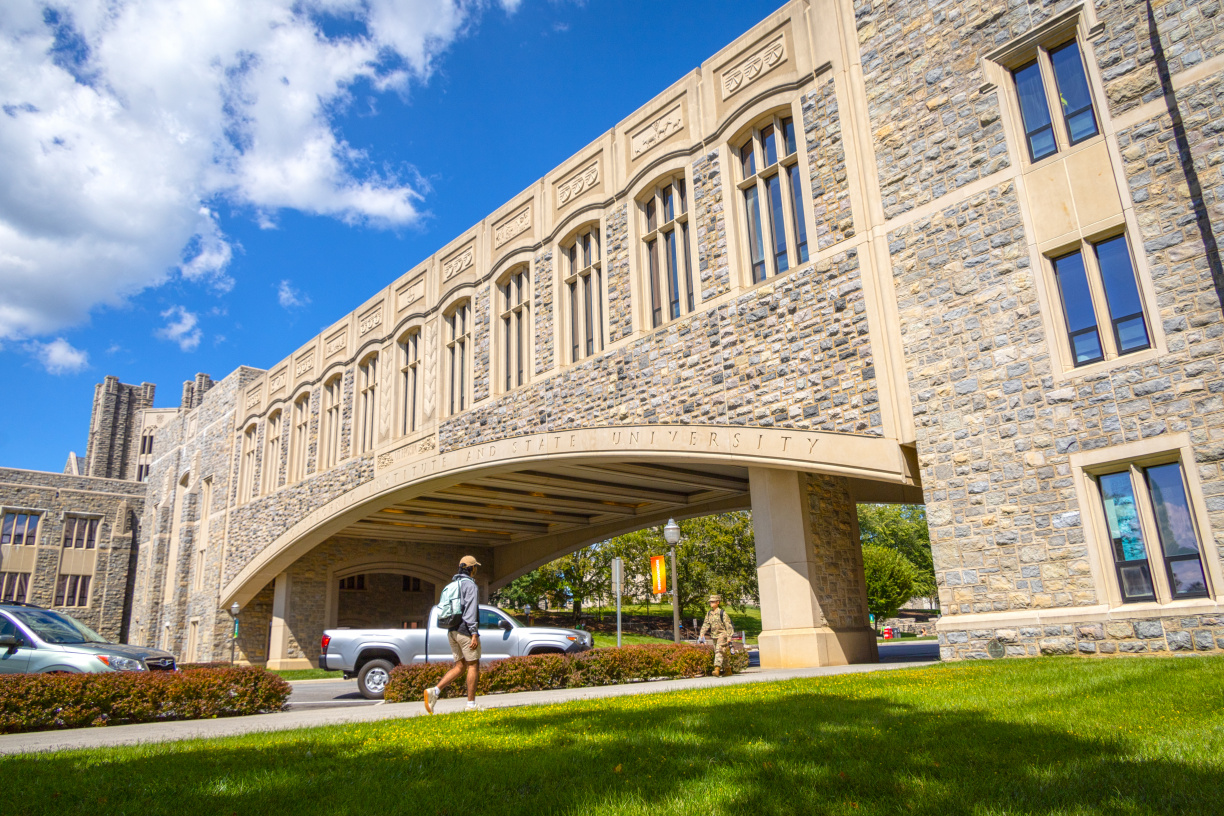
[370, 654]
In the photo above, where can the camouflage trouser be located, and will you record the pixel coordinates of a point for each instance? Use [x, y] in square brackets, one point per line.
[722, 646]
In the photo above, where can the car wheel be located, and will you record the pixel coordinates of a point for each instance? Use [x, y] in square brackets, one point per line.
[373, 678]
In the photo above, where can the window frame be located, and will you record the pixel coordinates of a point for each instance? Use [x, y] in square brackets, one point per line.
[16, 584]
[583, 290]
[273, 440]
[458, 320]
[248, 485]
[786, 169]
[1088, 466]
[299, 439]
[367, 403]
[202, 534]
[411, 366]
[1087, 248]
[89, 541]
[513, 338]
[37, 515]
[331, 422]
[80, 586]
[654, 228]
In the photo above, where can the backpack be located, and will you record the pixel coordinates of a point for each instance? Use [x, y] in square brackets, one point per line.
[450, 606]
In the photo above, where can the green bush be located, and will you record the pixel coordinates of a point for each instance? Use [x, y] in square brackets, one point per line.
[40, 702]
[890, 581]
[598, 667]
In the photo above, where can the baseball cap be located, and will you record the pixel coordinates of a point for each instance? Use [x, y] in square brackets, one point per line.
[468, 561]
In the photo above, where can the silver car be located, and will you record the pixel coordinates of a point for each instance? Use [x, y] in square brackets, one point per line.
[33, 640]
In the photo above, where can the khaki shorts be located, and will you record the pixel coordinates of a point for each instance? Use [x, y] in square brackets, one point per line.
[462, 648]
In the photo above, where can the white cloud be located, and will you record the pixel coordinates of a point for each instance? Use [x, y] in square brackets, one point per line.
[59, 356]
[289, 297]
[124, 124]
[181, 327]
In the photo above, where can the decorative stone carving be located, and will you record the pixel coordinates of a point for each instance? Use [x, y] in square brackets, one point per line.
[411, 292]
[386, 399]
[252, 399]
[749, 70]
[457, 263]
[427, 444]
[337, 343]
[277, 382]
[512, 227]
[431, 368]
[370, 321]
[304, 364]
[577, 184]
[657, 131]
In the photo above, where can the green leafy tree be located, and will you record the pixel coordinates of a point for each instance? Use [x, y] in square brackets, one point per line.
[890, 580]
[901, 527]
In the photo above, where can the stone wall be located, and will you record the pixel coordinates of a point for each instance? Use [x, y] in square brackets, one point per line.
[542, 288]
[713, 269]
[837, 556]
[616, 276]
[827, 160]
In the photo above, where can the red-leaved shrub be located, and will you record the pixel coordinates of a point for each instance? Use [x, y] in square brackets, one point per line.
[599, 667]
[38, 702]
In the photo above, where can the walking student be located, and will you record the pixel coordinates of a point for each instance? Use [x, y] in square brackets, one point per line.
[718, 625]
[459, 612]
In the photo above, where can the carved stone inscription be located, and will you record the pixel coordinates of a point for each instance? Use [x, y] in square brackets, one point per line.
[755, 66]
[577, 184]
[277, 382]
[303, 365]
[411, 293]
[657, 131]
[512, 227]
[370, 321]
[336, 344]
[252, 399]
[457, 263]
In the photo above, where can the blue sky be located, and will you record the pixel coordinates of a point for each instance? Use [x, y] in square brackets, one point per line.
[184, 192]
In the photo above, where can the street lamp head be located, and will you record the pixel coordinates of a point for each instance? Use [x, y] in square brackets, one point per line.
[235, 609]
[671, 533]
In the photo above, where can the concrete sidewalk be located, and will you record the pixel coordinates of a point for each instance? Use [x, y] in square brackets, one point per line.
[282, 721]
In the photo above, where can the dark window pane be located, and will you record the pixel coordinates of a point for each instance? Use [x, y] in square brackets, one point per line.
[6, 530]
[673, 275]
[1136, 582]
[756, 239]
[507, 356]
[589, 314]
[1077, 307]
[797, 212]
[788, 129]
[656, 300]
[597, 277]
[1122, 517]
[518, 340]
[747, 160]
[680, 191]
[1173, 519]
[773, 188]
[688, 265]
[1122, 295]
[650, 215]
[1073, 92]
[1038, 131]
[574, 320]
[669, 204]
[769, 143]
[1186, 578]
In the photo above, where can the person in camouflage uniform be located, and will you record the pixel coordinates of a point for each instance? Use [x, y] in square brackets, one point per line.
[718, 625]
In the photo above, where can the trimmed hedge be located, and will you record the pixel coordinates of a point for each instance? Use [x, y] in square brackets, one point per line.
[599, 667]
[40, 702]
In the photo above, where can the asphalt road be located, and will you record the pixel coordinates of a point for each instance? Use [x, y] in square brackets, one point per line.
[314, 694]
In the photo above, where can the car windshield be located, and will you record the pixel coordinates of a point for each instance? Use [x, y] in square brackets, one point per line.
[56, 627]
[515, 620]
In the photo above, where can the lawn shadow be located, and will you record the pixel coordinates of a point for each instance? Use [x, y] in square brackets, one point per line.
[800, 752]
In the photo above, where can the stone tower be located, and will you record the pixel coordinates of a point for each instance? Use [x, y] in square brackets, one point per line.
[114, 428]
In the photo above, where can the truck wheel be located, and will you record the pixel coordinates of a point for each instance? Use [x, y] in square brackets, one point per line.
[373, 678]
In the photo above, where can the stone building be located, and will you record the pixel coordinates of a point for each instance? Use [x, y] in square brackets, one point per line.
[963, 255]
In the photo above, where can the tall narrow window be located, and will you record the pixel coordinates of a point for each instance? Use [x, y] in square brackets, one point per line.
[300, 445]
[410, 372]
[1151, 526]
[72, 590]
[458, 346]
[80, 533]
[19, 528]
[1106, 269]
[333, 397]
[1054, 79]
[773, 195]
[584, 280]
[368, 404]
[14, 586]
[272, 452]
[668, 263]
[514, 292]
[201, 553]
[247, 485]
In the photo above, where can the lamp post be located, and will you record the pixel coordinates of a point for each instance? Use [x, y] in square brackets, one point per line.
[234, 610]
[671, 534]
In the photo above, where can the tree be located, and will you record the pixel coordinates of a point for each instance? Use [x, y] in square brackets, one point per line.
[890, 580]
[901, 527]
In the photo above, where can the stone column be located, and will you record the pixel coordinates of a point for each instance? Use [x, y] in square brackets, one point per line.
[810, 569]
[278, 646]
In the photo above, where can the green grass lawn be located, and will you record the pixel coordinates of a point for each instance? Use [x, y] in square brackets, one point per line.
[1040, 736]
[308, 674]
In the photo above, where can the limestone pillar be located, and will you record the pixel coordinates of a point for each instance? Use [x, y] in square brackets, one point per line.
[278, 643]
[810, 570]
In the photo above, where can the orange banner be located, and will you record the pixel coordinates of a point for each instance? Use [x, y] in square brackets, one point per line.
[658, 574]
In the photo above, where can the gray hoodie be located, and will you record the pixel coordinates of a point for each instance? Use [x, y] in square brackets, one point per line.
[470, 598]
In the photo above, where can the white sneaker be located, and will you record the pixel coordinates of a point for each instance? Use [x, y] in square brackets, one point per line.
[472, 707]
[431, 698]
